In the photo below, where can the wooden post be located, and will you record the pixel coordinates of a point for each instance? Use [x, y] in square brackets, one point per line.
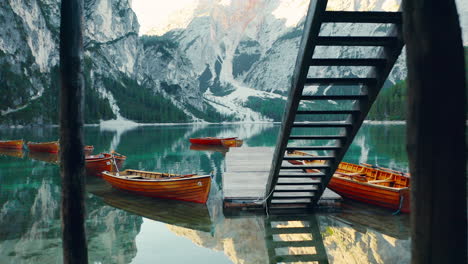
[436, 131]
[71, 132]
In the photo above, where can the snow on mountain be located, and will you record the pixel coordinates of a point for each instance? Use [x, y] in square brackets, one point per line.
[204, 60]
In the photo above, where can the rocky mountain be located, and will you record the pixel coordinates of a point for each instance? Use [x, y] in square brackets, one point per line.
[215, 60]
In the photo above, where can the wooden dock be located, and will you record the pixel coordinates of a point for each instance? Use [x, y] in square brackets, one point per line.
[246, 175]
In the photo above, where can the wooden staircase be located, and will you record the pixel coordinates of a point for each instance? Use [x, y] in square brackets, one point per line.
[295, 239]
[331, 126]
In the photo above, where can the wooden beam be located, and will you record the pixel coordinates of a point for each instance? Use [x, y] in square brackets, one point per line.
[436, 131]
[71, 133]
[361, 17]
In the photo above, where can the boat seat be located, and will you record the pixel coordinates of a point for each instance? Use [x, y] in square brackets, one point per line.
[381, 181]
[132, 177]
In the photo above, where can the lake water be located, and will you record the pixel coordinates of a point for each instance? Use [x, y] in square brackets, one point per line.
[122, 228]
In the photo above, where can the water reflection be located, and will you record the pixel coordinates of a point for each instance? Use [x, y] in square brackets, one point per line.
[17, 153]
[185, 214]
[294, 239]
[119, 228]
[44, 156]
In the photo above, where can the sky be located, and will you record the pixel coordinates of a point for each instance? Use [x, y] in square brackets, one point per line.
[157, 12]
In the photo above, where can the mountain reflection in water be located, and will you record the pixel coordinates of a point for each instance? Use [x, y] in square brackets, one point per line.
[118, 225]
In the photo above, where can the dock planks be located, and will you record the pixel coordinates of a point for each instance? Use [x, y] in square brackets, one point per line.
[246, 175]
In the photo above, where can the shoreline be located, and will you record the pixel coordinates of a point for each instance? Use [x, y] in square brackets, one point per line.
[127, 123]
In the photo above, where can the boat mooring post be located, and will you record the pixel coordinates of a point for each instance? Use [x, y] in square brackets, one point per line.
[436, 125]
[72, 163]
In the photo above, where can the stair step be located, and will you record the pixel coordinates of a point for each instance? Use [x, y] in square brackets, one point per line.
[297, 183]
[301, 258]
[289, 230]
[326, 112]
[309, 158]
[314, 148]
[293, 191]
[315, 137]
[333, 97]
[361, 17]
[291, 197]
[356, 41]
[322, 124]
[347, 62]
[305, 243]
[305, 167]
[340, 81]
[301, 175]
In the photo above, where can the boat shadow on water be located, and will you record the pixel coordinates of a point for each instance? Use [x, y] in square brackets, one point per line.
[362, 216]
[184, 214]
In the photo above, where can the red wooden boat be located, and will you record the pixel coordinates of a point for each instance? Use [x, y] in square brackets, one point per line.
[11, 144]
[366, 183]
[191, 188]
[96, 164]
[51, 147]
[119, 160]
[209, 140]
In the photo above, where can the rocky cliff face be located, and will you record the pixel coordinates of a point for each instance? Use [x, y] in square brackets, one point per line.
[215, 60]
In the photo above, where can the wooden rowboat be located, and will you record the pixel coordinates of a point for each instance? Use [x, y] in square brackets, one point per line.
[119, 161]
[51, 147]
[11, 144]
[96, 164]
[209, 140]
[232, 142]
[191, 188]
[195, 216]
[369, 184]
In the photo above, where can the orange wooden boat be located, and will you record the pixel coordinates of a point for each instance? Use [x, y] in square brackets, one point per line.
[17, 153]
[96, 164]
[11, 144]
[232, 142]
[51, 147]
[209, 140]
[191, 188]
[366, 183]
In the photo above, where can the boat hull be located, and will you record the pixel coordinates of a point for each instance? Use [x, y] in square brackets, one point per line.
[50, 147]
[12, 144]
[391, 198]
[191, 189]
[96, 164]
[232, 142]
[209, 141]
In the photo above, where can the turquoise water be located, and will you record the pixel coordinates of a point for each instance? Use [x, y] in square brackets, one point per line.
[122, 228]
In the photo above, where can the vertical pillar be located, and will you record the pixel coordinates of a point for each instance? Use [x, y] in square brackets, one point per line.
[71, 132]
[436, 131]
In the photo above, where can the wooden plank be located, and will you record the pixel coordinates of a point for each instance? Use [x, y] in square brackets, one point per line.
[72, 163]
[340, 81]
[306, 50]
[362, 17]
[347, 62]
[357, 41]
[436, 140]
